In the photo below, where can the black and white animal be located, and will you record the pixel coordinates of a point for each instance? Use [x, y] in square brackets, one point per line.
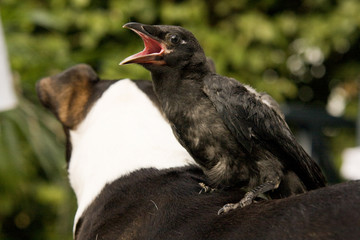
[119, 152]
[234, 133]
[113, 128]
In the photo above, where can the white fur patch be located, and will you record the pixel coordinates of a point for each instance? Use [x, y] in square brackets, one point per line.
[123, 132]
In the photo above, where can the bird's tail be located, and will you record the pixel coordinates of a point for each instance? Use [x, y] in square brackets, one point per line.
[308, 170]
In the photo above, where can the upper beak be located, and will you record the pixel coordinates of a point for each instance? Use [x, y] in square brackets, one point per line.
[153, 50]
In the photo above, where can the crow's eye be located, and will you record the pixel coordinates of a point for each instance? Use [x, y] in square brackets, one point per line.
[174, 39]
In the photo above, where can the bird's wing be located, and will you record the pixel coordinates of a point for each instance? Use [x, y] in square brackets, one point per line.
[251, 119]
[272, 103]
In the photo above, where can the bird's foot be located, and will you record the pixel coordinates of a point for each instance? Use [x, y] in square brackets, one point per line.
[250, 196]
[228, 207]
[245, 201]
[206, 189]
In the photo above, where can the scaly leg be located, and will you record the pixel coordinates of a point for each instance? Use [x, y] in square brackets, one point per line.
[250, 196]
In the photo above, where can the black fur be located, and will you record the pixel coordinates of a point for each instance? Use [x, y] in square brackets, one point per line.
[153, 204]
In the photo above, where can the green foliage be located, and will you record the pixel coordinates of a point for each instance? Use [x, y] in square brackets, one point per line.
[301, 43]
[35, 197]
[298, 51]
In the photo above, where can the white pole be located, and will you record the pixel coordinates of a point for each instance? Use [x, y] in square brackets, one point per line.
[8, 98]
[358, 118]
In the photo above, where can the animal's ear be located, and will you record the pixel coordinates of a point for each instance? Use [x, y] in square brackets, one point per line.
[67, 93]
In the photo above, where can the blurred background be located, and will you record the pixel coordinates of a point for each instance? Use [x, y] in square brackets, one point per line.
[305, 53]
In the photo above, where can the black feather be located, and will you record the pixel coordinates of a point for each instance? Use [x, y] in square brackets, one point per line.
[237, 135]
[252, 121]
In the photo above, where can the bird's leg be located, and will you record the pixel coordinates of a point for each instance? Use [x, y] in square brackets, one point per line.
[205, 188]
[251, 195]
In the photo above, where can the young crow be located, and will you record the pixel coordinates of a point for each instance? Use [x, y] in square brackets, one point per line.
[237, 135]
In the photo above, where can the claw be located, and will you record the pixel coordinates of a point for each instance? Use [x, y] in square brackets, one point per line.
[245, 201]
[205, 188]
[250, 196]
[221, 211]
[228, 207]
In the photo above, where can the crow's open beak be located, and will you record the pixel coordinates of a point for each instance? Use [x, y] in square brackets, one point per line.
[154, 48]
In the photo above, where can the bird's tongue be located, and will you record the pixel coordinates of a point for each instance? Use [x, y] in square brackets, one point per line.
[151, 54]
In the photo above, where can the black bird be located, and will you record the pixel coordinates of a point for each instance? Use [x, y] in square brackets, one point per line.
[237, 135]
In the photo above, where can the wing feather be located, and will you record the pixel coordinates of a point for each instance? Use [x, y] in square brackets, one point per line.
[253, 121]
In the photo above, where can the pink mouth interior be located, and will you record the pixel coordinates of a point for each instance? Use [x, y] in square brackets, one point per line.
[151, 46]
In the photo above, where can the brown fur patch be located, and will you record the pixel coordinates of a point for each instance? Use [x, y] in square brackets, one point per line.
[67, 94]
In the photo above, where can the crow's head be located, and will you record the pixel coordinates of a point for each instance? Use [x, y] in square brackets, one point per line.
[166, 46]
